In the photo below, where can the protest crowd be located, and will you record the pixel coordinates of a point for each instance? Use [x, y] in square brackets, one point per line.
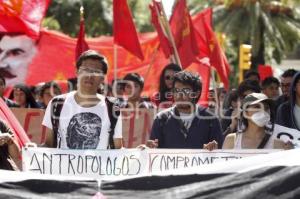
[189, 102]
[87, 118]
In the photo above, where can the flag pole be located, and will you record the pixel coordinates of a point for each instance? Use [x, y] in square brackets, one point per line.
[167, 30]
[81, 12]
[115, 62]
[151, 63]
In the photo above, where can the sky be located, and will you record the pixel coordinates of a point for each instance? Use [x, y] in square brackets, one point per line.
[168, 6]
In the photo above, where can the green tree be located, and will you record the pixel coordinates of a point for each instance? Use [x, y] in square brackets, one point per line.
[63, 15]
[271, 27]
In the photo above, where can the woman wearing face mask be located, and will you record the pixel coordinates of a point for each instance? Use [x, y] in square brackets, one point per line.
[255, 126]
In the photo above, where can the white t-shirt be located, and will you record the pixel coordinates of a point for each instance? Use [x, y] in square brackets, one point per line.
[82, 127]
[187, 119]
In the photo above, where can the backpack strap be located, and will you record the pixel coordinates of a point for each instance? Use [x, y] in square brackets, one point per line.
[264, 141]
[113, 110]
[56, 107]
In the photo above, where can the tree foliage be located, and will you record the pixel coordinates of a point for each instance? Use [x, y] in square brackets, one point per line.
[63, 15]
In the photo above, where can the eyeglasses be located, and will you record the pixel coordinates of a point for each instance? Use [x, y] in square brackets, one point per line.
[168, 77]
[186, 91]
[90, 71]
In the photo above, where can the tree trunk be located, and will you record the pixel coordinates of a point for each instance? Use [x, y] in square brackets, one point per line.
[260, 57]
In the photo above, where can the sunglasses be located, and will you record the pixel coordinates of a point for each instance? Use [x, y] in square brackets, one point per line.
[186, 91]
[168, 77]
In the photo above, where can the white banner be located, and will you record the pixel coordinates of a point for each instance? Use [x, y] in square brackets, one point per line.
[287, 134]
[125, 163]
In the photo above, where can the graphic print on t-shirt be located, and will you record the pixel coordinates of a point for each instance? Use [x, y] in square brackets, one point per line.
[83, 131]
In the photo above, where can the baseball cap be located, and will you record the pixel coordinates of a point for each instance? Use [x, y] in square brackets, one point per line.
[255, 98]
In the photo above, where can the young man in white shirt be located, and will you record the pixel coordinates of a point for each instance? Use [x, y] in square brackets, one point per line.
[85, 119]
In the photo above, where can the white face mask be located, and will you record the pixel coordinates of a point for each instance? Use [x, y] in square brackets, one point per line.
[261, 118]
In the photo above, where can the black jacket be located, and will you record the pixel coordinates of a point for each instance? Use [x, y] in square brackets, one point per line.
[204, 128]
[285, 113]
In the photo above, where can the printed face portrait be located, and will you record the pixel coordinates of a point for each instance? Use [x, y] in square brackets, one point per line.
[16, 54]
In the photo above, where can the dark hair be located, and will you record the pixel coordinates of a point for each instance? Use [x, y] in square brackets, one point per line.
[135, 77]
[92, 54]
[162, 85]
[191, 79]
[289, 73]
[3, 79]
[248, 85]
[250, 73]
[119, 83]
[48, 85]
[232, 96]
[30, 100]
[268, 81]
[296, 78]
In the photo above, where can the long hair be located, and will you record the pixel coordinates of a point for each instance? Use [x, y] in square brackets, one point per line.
[162, 85]
[30, 101]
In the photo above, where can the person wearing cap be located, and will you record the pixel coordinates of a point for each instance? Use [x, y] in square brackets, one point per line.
[255, 126]
[85, 119]
[134, 85]
[245, 88]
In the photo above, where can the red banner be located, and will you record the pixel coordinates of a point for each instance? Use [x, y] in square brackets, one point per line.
[55, 59]
[22, 16]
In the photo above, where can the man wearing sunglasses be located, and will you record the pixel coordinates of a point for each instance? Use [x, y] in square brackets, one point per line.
[285, 85]
[186, 124]
[86, 120]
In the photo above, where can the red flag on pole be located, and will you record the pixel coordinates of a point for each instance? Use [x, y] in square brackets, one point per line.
[124, 30]
[164, 41]
[22, 16]
[217, 58]
[81, 44]
[183, 31]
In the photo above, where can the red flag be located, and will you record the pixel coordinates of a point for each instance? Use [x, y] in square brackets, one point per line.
[264, 71]
[125, 33]
[56, 67]
[184, 35]
[203, 25]
[22, 16]
[164, 41]
[13, 123]
[81, 44]
[204, 72]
